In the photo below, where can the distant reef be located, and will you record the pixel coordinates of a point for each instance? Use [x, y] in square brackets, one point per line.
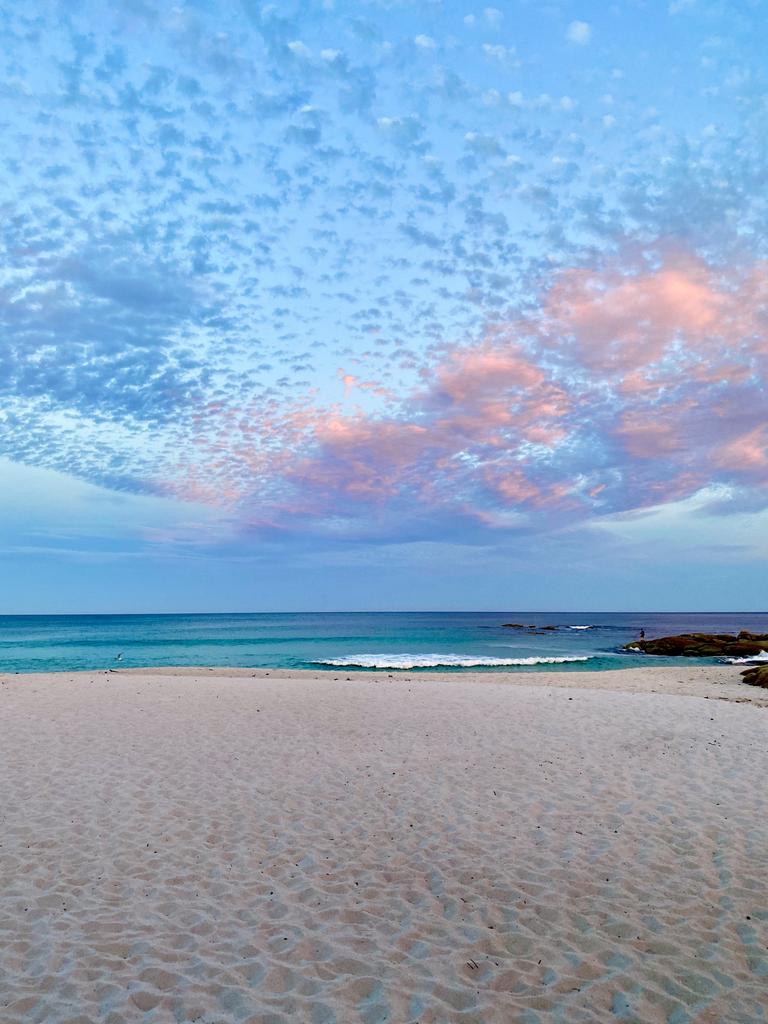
[522, 625]
[704, 645]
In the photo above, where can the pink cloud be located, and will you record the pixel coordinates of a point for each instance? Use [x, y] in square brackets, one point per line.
[645, 438]
[351, 382]
[621, 323]
[747, 453]
[627, 389]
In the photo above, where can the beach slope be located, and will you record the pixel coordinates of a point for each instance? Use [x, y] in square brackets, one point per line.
[200, 845]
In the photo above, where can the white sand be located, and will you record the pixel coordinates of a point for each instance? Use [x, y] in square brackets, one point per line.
[207, 846]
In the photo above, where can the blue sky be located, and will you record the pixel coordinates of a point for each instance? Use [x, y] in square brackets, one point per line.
[383, 305]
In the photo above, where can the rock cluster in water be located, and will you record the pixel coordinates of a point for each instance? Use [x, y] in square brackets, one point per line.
[522, 625]
[704, 645]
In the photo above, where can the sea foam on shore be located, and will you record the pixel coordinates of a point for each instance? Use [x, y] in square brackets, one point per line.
[409, 661]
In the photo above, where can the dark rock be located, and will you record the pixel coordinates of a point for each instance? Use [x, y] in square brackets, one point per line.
[703, 645]
[744, 648]
[522, 625]
[757, 676]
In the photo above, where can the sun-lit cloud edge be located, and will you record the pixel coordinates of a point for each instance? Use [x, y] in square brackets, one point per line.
[631, 386]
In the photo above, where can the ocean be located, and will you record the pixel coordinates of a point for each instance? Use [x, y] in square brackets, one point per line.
[389, 641]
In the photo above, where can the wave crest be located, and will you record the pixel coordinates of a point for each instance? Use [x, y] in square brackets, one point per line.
[750, 660]
[409, 661]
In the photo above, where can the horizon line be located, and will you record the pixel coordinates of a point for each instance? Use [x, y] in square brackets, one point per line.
[394, 611]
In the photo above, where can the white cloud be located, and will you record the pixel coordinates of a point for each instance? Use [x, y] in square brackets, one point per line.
[38, 505]
[579, 32]
[493, 16]
[299, 49]
[425, 42]
[689, 525]
[496, 52]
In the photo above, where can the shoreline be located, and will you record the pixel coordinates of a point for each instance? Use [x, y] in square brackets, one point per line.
[719, 682]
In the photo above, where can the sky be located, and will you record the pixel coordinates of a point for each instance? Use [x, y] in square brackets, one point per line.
[383, 305]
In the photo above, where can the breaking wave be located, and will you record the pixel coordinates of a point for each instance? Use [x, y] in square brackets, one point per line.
[582, 627]
[408, 661]
[751, 660]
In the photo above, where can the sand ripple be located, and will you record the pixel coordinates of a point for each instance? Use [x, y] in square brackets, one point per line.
[233, 850]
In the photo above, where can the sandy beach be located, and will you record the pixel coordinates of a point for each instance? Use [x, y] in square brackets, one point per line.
[220, 846]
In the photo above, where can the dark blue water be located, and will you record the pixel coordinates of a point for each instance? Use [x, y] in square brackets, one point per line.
[387, 640]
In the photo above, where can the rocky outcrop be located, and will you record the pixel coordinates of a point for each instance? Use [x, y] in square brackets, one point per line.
[521, 625]
[757, 676]
[704, 645]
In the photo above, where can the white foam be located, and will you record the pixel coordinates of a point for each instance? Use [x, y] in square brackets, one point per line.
[752, 659]
[406, 661]
[582, 627]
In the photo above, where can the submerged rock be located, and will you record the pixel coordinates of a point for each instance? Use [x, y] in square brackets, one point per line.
[704, 645]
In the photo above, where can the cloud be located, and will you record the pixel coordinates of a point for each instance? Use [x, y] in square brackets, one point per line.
[52, 512]
[540, 321]
[299, 49]
[693, 525]
[631, 386]
[98, 332]
[579, 32]
[497, 51]
[408, 133]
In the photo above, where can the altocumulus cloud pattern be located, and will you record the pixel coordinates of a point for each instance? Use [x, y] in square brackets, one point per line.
[373, 273]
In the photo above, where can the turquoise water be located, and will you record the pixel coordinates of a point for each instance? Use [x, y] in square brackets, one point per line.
[450, 641]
